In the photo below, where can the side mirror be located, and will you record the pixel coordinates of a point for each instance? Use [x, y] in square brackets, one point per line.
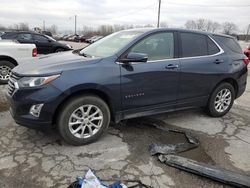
[135, 57]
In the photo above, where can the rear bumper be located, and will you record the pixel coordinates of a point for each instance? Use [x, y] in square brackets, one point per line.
[242, 82]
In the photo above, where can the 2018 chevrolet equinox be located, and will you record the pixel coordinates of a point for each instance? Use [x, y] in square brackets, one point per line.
[128, 74]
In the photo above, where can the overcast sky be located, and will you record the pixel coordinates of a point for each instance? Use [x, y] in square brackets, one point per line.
[97, 12]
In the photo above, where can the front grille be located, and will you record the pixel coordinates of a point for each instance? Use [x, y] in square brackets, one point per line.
[11, 84]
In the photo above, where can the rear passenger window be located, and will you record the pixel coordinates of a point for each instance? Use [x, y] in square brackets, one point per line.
[212, 47]
[24, 36]
[193, 45]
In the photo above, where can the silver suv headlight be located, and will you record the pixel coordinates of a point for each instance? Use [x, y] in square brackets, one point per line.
[36, 81]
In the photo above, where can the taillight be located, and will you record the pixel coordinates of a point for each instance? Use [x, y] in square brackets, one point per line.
[34, 52]
[246, 61]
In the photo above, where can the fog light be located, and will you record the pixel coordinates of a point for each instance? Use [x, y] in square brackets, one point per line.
[36, 109]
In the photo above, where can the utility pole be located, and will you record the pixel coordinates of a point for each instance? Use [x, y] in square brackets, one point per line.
[159, 13]
[248, 30]
[75, 24]
[44, 25]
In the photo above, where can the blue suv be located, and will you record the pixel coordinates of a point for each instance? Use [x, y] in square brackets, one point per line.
[128, 74]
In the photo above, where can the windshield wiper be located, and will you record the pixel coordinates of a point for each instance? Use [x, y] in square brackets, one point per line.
[84, 54]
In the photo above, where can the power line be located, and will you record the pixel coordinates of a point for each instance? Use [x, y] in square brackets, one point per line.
[132, 12]
[203, 5]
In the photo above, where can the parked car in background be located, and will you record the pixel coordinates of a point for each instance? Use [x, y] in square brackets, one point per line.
[83, 38]
[48, 33]
[13, 54]
[45, 44]
[96, 39]
[93, 39]
[125, 75]
[247, 51]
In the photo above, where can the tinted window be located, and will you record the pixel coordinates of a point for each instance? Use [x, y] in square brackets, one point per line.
[9, 36]
[212, 47]
[193, 44]
[230, 43]
[40, 38]
[158, 46]
[24, 36]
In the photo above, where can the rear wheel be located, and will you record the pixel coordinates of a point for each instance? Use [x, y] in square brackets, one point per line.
[5, 71]
[221, 100]
[83, 119]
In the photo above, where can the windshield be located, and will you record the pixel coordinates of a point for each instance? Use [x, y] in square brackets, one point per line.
[111, 44]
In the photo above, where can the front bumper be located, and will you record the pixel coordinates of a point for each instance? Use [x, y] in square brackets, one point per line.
[22, 100]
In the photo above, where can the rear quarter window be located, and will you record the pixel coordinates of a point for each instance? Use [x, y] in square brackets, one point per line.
[212, 47]
[229, 42]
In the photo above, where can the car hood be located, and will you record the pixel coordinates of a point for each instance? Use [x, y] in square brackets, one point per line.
[54, 63]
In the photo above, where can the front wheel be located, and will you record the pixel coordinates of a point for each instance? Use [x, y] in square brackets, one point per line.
[5, 71]
[221, 100]
[59, 50]
[83, 119]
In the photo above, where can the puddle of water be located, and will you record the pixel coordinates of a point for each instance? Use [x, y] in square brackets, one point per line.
[139, 137]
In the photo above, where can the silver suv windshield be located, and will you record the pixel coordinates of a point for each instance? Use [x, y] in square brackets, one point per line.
[110, 44]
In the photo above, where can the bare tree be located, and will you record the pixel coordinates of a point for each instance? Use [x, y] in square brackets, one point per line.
[164, 24]
[201, 24]
[191, 24]
[23, 26]
[2, 28]
[53, 29]
[106, 29]
[215, 27]
[229, 28]
[118, 27]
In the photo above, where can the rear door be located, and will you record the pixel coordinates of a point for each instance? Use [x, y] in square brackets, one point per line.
[154, 83]
[202, 65]
[43, 44]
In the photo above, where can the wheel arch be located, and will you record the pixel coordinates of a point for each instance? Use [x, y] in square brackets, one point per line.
[101, 94]
[8, 58]
[231, 81]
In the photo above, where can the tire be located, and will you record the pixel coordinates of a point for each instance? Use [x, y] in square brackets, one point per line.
[72, 113]
[214, 108]
[59, 50]
[5, 70]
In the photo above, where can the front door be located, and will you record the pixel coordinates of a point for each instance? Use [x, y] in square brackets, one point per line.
[43, 44]
[153, 84]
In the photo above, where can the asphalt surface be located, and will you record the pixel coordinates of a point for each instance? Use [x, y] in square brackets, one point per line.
[32, 158]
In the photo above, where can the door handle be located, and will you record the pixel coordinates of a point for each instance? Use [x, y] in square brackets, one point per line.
[172, 66]
[218, 61]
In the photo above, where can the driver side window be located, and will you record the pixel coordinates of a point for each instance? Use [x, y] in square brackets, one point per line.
[157, 46]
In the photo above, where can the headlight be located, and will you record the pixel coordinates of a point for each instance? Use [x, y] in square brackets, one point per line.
[69, 46]
[36, 81]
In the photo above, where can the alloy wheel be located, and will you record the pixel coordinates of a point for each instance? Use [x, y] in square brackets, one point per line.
[223, 100]
[85, 121]
[5, 72]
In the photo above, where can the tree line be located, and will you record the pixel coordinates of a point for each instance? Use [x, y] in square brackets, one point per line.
[199, 24]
